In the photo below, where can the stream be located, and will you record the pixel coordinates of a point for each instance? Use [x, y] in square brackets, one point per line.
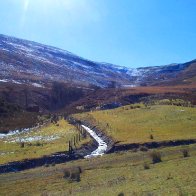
[102, 146]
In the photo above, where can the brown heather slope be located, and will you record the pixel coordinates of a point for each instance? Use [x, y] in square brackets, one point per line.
[49, 102]
[21, 104]
[133, 95]
[185, 77]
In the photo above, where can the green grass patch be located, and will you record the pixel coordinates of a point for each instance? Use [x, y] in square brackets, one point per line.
[131, 124]
[110, 175]
[11, 149]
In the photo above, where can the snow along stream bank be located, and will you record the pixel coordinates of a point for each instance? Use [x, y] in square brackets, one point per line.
[102, 146]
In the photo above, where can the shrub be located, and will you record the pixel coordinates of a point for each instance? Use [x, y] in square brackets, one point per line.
[66, 173]
[169, 176]
[146, 166]
[164, 102]
[135, 106]
[22, 144]
[181, 102]
[44, 194]
[46, 165]
[143, 148]
[121, 194]
[72, 174]
[151, 137]
[134, 150]
[185, 153]
[156, 157]
[75, 176]
[38, 144]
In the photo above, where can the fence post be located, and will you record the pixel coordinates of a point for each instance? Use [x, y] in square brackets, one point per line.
[79, 137]
[74, 141]
[69, 147]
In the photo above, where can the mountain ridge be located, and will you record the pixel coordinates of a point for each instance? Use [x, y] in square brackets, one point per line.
[23, 61]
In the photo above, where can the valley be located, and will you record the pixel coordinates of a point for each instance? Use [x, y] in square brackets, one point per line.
[131, 171]
[72, 126]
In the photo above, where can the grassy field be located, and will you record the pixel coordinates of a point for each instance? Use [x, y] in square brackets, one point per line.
[115, 173]
[110, 175]
[39, 142]
[138, 124]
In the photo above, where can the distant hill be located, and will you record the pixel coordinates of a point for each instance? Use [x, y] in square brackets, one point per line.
[27, 62]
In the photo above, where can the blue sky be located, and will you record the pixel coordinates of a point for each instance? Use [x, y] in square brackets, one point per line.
[130, 33]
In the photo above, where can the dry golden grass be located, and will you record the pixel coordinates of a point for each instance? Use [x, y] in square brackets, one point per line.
[12, 151]
[163, 122]
[110, 175]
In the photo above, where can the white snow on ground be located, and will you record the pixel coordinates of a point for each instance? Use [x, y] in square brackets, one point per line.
[102, 145]
[16, 82]
[5, 49]
[129, 85]
[27, 135]
[13, 81]
[4, 80]
[134, 72]
[24, 82]
[12, 133]
[35, 138]
[5, 153]
[37, 85]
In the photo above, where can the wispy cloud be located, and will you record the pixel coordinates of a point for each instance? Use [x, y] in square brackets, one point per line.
[25, 6]
[68, 11]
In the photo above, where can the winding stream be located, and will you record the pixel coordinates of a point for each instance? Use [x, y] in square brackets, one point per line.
[102, 146]
[56, 158]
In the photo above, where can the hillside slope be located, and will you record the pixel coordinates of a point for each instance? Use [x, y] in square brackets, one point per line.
[23, 61]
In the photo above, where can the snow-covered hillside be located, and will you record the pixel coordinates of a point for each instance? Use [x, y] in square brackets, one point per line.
[24, 61]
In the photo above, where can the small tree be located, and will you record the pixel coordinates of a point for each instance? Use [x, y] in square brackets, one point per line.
[156, 157]
[72, 174]
[22, 144]
[146, 166]
[151, 137]
[185, 153]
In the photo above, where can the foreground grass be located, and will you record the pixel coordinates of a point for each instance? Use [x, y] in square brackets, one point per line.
[145, 124]
[111, 175]
[62, 132]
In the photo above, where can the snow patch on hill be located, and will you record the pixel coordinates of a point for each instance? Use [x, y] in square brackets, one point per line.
[49, 63]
